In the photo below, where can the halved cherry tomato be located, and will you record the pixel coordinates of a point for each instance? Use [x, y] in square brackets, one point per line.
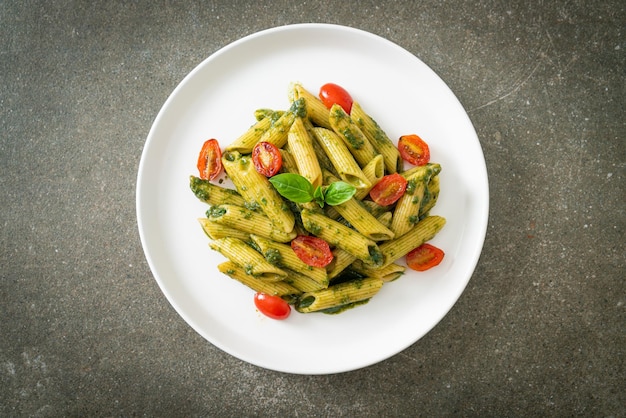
[414, 150]
[210, 160]
[424, 257]
[312, 250]
[272, 306]
[389, 189]
[266, 158]
[331, 93]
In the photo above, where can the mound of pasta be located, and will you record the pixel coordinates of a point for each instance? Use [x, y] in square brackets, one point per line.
[316, 173]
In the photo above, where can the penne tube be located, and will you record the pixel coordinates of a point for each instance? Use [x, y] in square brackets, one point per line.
[322, 158]
[279, 288]
[246, 142]
[257, 190]
[427, 170]
[374, 208]
[342, 160]
[341, 236]
[378, 138]
[388, 273]
[341, 294]
[215, 230]
[424, 231]
[251, 261]
[374, 171]
[277, 132]
[303, 282]
[406, 212]
[301, 147]
[385, 219]
[431, 194]
[360, 219]
[250, 222]
[214, 194]
[283, 256]
[341, 260]
[349, 132]
[289, 163]
[315, 109]
[261, 114]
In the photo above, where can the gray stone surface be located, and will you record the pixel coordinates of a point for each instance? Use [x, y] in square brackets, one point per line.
[539, 331]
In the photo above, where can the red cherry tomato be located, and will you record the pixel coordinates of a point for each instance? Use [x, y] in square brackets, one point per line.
[389, 189]
[210, 160]
[424, 257]
[332, 93]
[266, 158]
[414, 150]
[312, 250]
[272, 306]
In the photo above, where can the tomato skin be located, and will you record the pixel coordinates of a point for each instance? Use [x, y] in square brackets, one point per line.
[424, 257]
[414, 150]
[312, 250]
[272, 306]
[331, 93]
[210, 160]
[266, 159]
[389, 189]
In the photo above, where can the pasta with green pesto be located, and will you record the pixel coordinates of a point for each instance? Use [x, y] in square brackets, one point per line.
[264, 227]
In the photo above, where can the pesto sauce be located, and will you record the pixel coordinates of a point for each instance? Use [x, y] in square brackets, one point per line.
[410, 186]
[253, 206]
[231, 156]
[376, 257]
[249, 268]
[215, 212]
[313, 228]
[273, 257]
[305, 302]
[298, 107]
[356, 143]
[341, 308]
[347, 275]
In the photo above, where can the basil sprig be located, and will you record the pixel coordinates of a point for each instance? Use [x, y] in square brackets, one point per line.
[300, 190]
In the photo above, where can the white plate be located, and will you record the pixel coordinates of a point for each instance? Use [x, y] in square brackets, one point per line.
[217, 100]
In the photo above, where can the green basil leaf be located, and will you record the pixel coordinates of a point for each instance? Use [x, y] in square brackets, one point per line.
[318, 195]
[339, 192]
[293, 187]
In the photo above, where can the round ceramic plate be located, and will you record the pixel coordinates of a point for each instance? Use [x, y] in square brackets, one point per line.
[217, 100]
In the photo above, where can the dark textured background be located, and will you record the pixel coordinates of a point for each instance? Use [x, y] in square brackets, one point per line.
[541, 327]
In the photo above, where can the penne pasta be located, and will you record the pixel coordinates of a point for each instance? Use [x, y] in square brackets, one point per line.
[339, 235]
[388, 273]
[250, 222]
[257, 190]
[277, 133]
[213, 194]
[301, 148]
[424, 231]
[374, 172]
[341, 294]
[378, 138]
[214, 230]
[364, 222]
[315, 109]
[349, 132]
[279, 288]
[343, 162]
[251, 261]
[246, 142]
[283, 256]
